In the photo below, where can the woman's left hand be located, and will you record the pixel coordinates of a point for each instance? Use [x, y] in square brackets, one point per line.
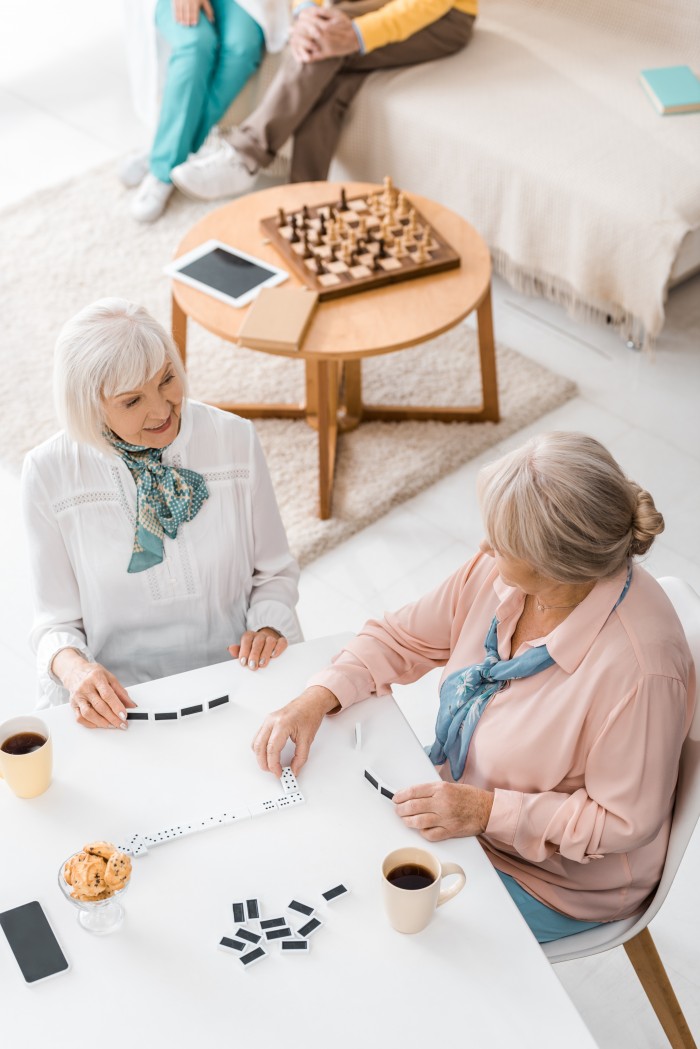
[258, 647]
[444, 810]
[186, 12]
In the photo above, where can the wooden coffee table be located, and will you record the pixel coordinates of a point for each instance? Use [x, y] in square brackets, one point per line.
[344, 331]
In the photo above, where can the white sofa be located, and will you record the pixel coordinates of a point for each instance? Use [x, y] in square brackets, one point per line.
[540, 134]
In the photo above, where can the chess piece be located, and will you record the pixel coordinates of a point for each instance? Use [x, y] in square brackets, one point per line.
[308, 253]
[402, 205]
[305, 213]
[399, 248]
[322, 226]
[381, 254]
[343, 203]
[412, 220]
[388, 189]
[320, 268]
[362, 227]
[421, 253]
[281, 217]
[294, 238]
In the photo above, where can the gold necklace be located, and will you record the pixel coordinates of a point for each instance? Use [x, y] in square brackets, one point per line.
[547, 608]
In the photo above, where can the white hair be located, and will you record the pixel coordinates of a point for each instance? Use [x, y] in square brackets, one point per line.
[562, 504]
[110, 346]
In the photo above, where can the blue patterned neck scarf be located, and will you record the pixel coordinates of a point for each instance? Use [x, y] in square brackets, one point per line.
[465, 694]
[166, 497]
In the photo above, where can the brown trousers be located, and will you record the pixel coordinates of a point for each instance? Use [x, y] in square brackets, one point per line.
[309, 100]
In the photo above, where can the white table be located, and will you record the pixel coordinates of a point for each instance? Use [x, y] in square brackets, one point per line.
[475, 977]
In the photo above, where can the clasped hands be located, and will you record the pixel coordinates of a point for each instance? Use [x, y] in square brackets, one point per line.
[322, 32]
[436, 810]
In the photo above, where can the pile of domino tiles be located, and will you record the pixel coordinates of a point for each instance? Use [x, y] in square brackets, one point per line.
[254, 934]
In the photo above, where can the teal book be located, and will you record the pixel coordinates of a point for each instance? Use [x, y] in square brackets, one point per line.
[672, 89]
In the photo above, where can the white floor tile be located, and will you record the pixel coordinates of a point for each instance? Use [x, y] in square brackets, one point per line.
[40, 150]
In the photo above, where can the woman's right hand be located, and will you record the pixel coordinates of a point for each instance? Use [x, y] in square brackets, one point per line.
[298, 721]
[96, 697]
[186, 12]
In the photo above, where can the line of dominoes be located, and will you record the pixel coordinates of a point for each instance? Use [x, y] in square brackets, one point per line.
[176, 715]
[139, 844]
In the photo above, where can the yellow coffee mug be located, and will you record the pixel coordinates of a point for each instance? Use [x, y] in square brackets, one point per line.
[26, 764]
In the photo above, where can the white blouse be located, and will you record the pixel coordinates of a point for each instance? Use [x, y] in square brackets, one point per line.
[228, 570]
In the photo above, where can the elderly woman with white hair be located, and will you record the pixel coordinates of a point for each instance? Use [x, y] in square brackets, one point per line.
[156, 544]
[566, 694]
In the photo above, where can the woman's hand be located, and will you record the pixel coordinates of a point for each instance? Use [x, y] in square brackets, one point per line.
[96, 697]
[186, 12]
[299, 721]
[322, 32]
[258, 647]
[445, 810]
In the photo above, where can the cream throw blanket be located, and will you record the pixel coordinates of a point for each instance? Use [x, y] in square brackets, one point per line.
[540, 134]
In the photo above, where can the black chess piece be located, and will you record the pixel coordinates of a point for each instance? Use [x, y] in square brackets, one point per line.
[294, 239]
[281, 217]
[305, 213]
[382, 253]
[322, 226]
[343, 204]
[308, 253]
[320, 268]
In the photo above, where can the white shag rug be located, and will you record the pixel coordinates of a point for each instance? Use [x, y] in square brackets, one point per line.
[68, 246]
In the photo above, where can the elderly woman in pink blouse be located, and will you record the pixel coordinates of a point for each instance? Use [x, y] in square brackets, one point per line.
[567, 690]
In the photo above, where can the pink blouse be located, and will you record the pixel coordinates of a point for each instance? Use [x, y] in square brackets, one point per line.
[582, 757]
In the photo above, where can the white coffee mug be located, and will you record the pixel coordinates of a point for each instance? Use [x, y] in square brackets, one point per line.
[412, 886]
[29, 774]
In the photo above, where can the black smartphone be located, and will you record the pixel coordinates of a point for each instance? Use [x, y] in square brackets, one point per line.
[33, 942]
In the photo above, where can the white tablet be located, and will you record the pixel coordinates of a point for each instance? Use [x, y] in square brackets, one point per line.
[230, 275]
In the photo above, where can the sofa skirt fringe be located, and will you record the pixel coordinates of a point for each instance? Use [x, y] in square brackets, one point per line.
[544, 285]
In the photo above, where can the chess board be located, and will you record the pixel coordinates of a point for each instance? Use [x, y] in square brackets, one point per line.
[357, 243]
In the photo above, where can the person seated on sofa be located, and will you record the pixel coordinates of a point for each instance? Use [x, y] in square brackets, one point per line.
[215, 47]
[331, 51]
[567, 691]
[142, 564]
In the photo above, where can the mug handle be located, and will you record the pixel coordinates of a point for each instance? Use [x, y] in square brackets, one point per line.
[448, 894]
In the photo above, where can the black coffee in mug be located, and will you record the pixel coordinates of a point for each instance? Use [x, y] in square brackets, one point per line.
[410, 876]
[23, 743]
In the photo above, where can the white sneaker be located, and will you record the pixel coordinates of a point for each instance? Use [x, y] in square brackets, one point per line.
[151, 198]
[214, 173]
[133, 169]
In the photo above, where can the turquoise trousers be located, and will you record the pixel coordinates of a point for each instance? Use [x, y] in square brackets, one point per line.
[208, 66]
[546, 923]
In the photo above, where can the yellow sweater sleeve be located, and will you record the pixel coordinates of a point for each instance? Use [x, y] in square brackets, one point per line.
[399, 19]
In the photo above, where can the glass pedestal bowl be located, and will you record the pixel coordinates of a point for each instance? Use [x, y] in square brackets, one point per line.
[96, 916]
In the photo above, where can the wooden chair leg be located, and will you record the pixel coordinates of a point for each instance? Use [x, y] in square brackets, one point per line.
[652, 976]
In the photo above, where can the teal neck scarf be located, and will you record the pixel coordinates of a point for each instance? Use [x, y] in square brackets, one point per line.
[166, 497]
[465, 694]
